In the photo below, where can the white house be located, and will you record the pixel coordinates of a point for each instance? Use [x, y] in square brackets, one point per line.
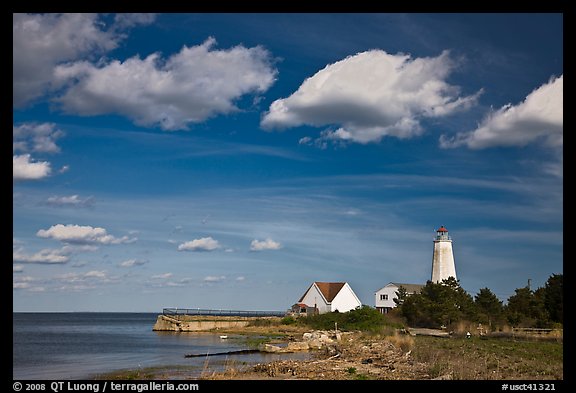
[385, 296]
[330, 296]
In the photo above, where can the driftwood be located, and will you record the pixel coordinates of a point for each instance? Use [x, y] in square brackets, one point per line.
[238, 352]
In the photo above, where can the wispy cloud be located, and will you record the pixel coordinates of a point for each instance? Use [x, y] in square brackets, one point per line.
[70, 201]
[213, 279]
[132, 263]
[162, 276]
[45, 256]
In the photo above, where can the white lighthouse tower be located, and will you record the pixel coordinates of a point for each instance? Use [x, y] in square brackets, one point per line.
[443, 258]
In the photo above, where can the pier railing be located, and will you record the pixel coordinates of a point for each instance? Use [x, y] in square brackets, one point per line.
[176, 312]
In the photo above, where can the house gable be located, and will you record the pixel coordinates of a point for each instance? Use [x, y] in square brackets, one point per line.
[330, 296]
[345, 300]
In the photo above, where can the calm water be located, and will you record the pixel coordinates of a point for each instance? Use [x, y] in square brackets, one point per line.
[81, 345]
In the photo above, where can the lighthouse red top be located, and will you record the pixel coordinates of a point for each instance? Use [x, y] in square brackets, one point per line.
[442, 229]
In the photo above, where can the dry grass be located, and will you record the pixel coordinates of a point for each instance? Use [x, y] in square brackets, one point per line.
[403, 341]
[490, 358]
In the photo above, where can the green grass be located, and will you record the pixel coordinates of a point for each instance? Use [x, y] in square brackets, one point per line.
[490, 358]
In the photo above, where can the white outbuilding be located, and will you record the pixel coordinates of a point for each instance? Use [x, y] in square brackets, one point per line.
[330, 296]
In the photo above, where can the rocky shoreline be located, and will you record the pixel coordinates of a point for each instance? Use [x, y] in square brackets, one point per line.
[338, 355]
[400, 355]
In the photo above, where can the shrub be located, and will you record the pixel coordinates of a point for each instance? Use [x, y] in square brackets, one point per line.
[288, 321]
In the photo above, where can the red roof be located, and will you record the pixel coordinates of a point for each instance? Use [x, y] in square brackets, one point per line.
[442, 229]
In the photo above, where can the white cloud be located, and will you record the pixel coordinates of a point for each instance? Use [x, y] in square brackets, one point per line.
[539, 117]
[240, 278]
[23, 282]
[35, 137]
[42, 41]
[132, 263]
[371, 95]
[268, 244]
[82, 234]
[17, 268]
[162, 276]
[190, 86]
[83, 281]
[79, 248]
[214, 278]
[70, 201]
[100, 274]
[202, 244]
[23, 168]
[48, 256]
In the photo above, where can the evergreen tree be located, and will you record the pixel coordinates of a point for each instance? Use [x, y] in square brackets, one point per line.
[401, 295]
[525, 308]
[554, 298]
[439, 304]
[490, 308]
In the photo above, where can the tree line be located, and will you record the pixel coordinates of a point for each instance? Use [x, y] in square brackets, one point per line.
[446, 304]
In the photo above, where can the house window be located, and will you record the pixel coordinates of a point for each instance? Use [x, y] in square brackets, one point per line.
[383, 297]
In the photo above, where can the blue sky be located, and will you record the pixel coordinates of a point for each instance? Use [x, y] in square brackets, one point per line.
[230, 160]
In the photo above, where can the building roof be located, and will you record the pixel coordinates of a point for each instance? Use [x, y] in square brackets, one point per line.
[442, 229]
[328, 289]
[410, 288]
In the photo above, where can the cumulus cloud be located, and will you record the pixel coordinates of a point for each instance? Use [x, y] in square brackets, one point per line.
[70, 201]
[48, 256]
[82, 234]
[268, 244]
[132, 263]
[371, 95]
[190, 86]
[540, 117]
[35, 137]
[17, 268]
[202, 244]
[24, 168]
[42, 41]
